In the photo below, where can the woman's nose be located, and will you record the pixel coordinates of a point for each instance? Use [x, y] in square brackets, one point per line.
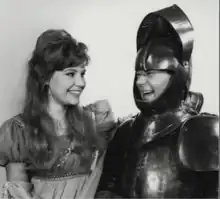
[79, 81]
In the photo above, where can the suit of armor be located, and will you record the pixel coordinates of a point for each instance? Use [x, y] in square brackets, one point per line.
[170, 149]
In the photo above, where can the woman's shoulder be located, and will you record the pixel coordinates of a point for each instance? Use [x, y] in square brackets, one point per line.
[15, 121]
[12, 140]
[12, 129]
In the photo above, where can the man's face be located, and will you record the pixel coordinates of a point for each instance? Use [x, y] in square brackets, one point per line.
[151, 84]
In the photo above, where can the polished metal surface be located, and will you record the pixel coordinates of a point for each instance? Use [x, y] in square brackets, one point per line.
[159, 168]
[199, 142]
[153, 171]
[167, 22]
[160, 57]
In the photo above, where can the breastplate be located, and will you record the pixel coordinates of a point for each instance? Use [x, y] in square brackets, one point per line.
[153, 170]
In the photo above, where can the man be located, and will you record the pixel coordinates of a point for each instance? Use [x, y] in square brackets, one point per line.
[168, 150]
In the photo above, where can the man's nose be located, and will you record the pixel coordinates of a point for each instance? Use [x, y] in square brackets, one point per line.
[141, 80]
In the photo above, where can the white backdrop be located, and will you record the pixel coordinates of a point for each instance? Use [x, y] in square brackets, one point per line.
[109, 29]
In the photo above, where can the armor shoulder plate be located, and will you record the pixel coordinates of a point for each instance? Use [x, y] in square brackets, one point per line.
[198, 143]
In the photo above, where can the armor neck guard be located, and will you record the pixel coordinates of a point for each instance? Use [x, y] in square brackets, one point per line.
[160, 125]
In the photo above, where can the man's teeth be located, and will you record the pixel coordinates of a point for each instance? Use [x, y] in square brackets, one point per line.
[148, 92]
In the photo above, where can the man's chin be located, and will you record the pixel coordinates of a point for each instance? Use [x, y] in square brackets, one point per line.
[148, 97]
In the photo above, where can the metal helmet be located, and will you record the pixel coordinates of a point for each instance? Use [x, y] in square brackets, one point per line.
[166, 34]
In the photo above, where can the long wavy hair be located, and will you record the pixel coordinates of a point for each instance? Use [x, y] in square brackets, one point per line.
[55, 50]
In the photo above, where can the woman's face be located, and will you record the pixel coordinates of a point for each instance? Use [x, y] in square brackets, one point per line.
[66, 86]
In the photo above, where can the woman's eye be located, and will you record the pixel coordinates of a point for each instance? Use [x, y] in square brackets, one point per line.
[83, 74]
[70, 74]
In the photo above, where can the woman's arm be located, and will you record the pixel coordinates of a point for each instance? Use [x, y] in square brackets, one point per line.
[18, 185]
[15, 172]
[12, 153]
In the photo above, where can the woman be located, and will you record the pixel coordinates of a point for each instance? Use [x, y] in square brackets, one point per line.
[54, 144]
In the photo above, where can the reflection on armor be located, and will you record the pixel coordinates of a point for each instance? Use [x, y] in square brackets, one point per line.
[166, 167]
[170, 149]
[170, 22]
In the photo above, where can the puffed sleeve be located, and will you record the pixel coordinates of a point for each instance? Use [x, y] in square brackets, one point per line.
[104, 118]
[11, 142]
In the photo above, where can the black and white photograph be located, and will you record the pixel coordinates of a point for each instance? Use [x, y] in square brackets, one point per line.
[109, 99]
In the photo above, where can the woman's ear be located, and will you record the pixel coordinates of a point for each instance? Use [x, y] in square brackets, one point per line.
[45, 85]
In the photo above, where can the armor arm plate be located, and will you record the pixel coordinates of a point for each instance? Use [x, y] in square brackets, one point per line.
[198, 152]
[198, 143]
